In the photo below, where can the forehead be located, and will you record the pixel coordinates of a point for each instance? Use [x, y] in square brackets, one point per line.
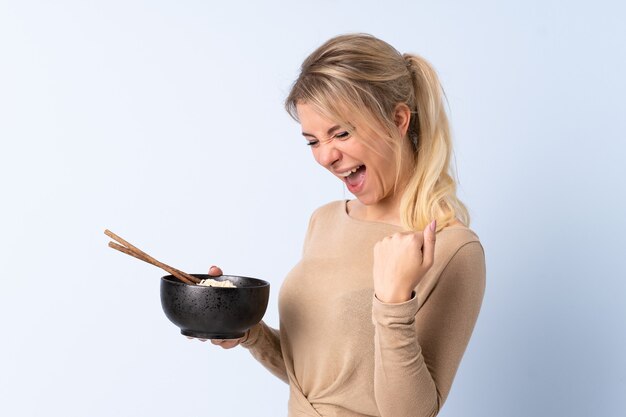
[311, 119]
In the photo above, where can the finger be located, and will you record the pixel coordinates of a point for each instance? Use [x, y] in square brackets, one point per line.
[428, 250]
[229, 344]
[217, 341]
[195, 338]
[215, 271]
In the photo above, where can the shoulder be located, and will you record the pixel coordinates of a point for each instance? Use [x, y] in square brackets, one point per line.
[450, 239]
[463, 277]
[331, 208]
[459, 256]
[458, 243]
[462, 257]
[334, 209]
[324, 219]
[468, 258]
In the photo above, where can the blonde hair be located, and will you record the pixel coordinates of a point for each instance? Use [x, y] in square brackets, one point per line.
[359, 80]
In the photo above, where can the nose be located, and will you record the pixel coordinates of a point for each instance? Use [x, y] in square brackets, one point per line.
[326, 154]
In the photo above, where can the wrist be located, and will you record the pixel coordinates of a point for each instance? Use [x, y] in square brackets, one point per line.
[245, 337]
[250, 336]
[394, 297]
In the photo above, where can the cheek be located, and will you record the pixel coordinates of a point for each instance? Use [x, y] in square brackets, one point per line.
[385, 173]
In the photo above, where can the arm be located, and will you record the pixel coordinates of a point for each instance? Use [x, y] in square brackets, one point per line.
[263, 342]
[417, 353]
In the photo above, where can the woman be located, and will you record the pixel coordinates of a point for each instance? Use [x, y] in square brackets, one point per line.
[376, 316]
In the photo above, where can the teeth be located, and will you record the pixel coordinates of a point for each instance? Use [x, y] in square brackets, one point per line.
[352, 171]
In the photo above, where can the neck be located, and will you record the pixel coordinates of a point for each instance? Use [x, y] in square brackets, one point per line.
[387, 211]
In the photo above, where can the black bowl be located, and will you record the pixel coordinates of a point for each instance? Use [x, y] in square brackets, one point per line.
[214, 312]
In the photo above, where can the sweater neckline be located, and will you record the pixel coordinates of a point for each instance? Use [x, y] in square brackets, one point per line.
[344, 210]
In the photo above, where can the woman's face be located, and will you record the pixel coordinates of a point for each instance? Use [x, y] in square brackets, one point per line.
[368, 170]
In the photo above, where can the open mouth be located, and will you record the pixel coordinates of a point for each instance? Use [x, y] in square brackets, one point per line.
[354, 178]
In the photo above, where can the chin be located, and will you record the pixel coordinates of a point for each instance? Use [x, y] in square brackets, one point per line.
[368, 200]
[371, 199]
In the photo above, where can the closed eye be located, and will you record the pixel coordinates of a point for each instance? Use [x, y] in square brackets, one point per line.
[342, 135]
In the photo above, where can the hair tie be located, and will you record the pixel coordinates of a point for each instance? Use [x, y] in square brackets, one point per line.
[408, 62]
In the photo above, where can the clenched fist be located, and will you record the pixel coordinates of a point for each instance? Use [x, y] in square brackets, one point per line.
[400, 262]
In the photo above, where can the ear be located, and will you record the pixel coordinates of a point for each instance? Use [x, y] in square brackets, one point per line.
[402, 117]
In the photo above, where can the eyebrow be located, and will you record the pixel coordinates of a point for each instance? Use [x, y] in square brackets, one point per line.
[329, 132]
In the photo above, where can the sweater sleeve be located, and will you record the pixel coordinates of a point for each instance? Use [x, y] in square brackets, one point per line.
[418, 348]
[263, 342]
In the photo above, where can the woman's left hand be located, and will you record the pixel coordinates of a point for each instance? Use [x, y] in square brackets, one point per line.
[400, 262]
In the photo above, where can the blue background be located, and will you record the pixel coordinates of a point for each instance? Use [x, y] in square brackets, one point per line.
[163, 122]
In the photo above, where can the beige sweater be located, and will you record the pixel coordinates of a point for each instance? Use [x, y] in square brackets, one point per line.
[345, 353]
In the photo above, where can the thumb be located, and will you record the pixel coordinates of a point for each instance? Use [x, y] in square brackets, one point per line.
[428, 251]
[215, 271]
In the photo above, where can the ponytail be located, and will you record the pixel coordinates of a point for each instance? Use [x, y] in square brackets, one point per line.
[431, 190]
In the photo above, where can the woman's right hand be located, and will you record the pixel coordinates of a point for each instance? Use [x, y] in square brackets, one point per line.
[215, 271]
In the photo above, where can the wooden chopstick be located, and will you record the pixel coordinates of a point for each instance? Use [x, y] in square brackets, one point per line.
[177, 273]
[132, 250]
